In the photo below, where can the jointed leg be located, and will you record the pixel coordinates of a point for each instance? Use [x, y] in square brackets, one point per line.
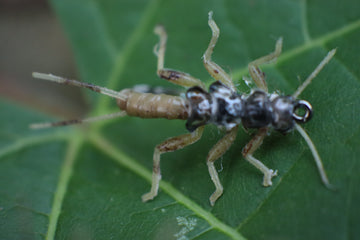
[256, 74]
[216, 152]
[169, 145]
[248, 151]
[215, 70]
[176, 77]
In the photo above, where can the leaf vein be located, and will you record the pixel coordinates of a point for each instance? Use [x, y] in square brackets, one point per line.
[321, 41]
[65, 174]
[30, 141]
[304, 22]
[122, 56]
[273, 189]
[102, 144]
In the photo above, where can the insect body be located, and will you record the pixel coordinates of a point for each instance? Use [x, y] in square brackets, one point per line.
[149, 105]
[222, 105]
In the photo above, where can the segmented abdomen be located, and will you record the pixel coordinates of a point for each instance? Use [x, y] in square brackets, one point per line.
[148, 105]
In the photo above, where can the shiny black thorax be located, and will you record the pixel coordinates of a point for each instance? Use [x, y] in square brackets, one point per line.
[223, 107]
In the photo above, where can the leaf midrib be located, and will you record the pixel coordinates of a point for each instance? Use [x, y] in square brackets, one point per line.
[119, 66]
[75, 142]
[123, 55]
[316, 42]
[124, 160]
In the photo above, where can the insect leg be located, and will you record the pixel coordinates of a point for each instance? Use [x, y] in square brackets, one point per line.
[174, 76]
[248, 151]
[215, 70]
[216, 152]
[256, 74]
[169, 145]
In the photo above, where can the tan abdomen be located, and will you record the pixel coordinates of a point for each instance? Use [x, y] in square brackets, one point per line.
[148, 105]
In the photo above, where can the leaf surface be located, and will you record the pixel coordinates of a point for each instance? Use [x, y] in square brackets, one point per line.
[86, 182]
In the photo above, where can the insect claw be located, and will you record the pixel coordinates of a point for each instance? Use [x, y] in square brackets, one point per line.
[267, 177]
[159, 30]
[330, 186]
[210, 15]
[215, 196]
[278, 45]
[147, 197]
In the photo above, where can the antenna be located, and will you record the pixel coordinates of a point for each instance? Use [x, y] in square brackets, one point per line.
[92, 87]
[77, 121]
[314, 73]
[316, 156]
[95, 88]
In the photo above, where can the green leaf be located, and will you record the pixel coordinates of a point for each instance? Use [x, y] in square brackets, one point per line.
[86, 182]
